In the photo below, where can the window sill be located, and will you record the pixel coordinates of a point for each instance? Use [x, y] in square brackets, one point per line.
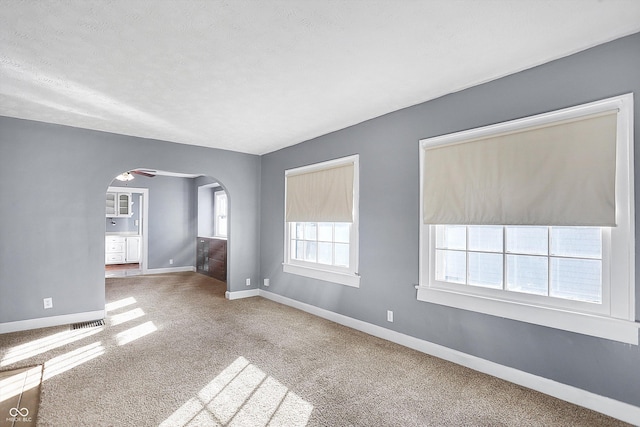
[587, 324]
[346, 279]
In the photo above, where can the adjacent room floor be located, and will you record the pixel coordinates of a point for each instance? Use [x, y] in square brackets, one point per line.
[122, 270]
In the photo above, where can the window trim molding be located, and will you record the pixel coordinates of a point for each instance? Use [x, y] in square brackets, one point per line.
[343, 276]
[347, 279]
[587, 324]
[216, 225]
[620, 325]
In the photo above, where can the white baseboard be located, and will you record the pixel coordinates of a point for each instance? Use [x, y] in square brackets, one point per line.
[46, 322]
[168, 270]
[605, 405]
[242, 294]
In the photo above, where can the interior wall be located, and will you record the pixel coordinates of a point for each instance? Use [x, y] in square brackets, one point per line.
[171, 219]
[42, 256]
[205, 211]
[389, 222]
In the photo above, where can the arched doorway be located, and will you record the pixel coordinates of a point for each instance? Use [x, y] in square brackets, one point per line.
[169, 215]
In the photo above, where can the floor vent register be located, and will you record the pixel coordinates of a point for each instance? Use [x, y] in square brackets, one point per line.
[91, 324]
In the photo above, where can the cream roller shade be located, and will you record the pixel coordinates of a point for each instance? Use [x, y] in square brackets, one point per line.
[321, 195]
[556, 174]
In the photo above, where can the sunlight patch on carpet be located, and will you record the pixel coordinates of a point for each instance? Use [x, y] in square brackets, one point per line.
[241, 395]
[70, 360]
[118, 319]
[136, 332]
[119, 304]
[42, 345]
[20, 396]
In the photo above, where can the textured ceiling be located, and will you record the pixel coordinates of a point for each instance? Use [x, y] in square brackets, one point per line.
[256, 76]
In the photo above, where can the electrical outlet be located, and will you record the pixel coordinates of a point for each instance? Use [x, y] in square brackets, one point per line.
[48, 303]
[266, 282]
[248, 282]
[171, 261]
[389, 316]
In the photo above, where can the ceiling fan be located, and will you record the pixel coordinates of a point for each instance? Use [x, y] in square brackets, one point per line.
[144, 172]
[128, 176]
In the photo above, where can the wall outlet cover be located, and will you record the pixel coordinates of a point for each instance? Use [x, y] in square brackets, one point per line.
[48, 303]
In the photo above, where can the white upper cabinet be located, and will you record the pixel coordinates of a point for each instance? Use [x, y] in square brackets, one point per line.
[118, 205]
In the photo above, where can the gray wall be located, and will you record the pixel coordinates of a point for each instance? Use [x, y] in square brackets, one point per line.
[205, 187]
[389, 222]
[205, 211]
[172, 219]
[124, 224]
[42, 255]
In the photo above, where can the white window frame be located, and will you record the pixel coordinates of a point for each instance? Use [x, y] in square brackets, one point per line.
[217, 216]
[340, 275]
[614, 319]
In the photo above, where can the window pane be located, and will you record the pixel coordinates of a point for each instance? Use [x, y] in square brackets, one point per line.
[451, 237]
[310, 230]
[527, 274]
[342, 232]
[299, 230]
[451, 266]
[310, 251]
[527, 240]
[325, 231]
[298, 251]
[222, 226]
[577, 279]
[576, 242]
[342, 255]
[485, 270]
[325, 253]
[487, 239]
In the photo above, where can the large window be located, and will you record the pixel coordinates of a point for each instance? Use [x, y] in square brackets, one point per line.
[321, 230]
[505, 232]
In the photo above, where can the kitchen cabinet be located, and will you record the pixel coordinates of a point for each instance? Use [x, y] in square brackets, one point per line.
[211, 257]
[132, 246]
[118, 205]
[121, 249]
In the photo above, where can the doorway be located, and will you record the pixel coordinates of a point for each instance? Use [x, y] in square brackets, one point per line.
[126, 232]
[173, 225]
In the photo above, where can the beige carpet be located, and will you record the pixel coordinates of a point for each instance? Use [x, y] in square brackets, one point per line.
[174, 352]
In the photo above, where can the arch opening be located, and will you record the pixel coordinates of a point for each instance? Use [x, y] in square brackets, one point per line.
[160, 222]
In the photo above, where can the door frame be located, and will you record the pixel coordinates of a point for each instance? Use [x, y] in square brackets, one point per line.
[144, 255]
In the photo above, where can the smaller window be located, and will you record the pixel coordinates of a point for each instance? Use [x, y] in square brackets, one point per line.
[220, 208]
[321, 229]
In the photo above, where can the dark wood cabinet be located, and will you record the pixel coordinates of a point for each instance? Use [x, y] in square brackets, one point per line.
[211, 257]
